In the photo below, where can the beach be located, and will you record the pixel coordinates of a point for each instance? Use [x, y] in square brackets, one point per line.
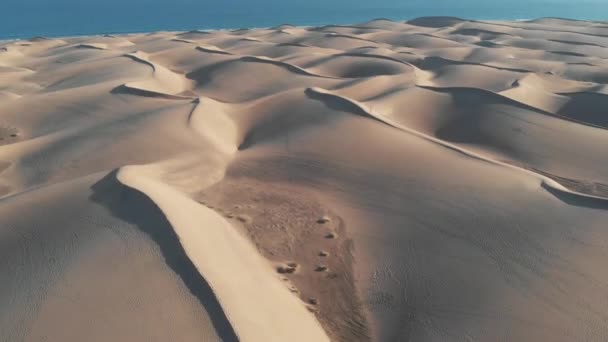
[436, 179]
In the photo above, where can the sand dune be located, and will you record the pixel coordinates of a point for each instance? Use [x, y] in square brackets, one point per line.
[256, 303]
[439, 179]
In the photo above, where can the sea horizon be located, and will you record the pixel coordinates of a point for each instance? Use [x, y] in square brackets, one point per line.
[71, 20]
[228, 29]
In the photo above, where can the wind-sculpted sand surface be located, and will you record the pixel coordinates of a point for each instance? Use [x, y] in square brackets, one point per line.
[439, 179]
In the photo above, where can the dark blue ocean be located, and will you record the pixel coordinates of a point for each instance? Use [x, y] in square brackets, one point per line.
[28, 18]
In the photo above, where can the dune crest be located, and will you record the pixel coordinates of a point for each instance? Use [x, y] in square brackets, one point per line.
[255, 302]
[164, 82]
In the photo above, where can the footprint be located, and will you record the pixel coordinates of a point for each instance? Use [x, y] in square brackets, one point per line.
[330, 235]
[289, 268]
[321, 268]
[244, 218]
[323, 220]
[8, 135]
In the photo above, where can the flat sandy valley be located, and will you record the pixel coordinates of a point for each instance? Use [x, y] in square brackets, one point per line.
[432, 180]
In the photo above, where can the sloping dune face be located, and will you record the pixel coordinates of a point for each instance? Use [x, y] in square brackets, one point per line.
[433, 180]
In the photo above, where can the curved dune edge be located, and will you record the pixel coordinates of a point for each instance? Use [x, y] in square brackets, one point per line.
[507, 97]
[211, 49]
[164, 82]
[132, 89]
[545, 182]
[208, 119]
[290, 67]
[94, 46]
[257, 304]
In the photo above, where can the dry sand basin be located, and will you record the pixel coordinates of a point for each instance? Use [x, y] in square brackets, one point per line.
[432, 180]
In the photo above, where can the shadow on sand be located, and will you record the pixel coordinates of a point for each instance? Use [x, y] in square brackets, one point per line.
[134, 207]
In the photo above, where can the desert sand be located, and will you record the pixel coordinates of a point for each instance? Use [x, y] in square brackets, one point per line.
[438, 179]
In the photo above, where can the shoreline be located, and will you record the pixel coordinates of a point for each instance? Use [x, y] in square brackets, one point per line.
[211, 29]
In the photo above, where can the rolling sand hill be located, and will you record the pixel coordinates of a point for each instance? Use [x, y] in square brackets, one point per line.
[438, 179]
